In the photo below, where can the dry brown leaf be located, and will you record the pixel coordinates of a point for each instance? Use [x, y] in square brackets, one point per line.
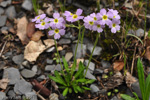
[37, 36]
[147, 53]
[118, 65]
[34, 49]
[129, 79]
[60, 48]
[30, 29]
[4, 83]
[22, 30]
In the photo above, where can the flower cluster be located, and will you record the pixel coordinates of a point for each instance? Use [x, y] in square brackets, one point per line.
[96, 22]
[56, 24]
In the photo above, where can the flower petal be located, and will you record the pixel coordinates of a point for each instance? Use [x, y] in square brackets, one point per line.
[79, 11]
[51, 32]
[56, 15]
[57, 36]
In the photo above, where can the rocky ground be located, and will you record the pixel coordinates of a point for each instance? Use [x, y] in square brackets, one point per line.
[24, 76]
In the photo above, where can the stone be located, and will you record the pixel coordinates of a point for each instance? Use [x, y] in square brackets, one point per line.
[98, 71]
[80, 52]
[2, 64]
[89, 75]
[62, 53]
[97, 50]
[64, 41]
[58, 67]
[26, 64]
[3, 96]
[41, 78]
[18, 59]
[50, 67]
[31, 95]
[139, 32]
[3, 20]
[1, 10]
[49, 61]
[115, 98]
[69, 35]
[68, 56]
[11, 12]
[11, 94]
[91, 65]
[4, 30]
[35, 68]
[28, 73]
[5, 3]
[53, 96]
[50, 49]
[12, 74]
[105, 64]
[27, 5]
[94, 88]
[22, 87]
[136, 88]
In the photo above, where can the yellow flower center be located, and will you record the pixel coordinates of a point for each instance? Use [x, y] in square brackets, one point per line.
[91, 23]
[43, 23]
[56, 31]
[113, 25]
[98, 26]
[114, 17]
[105, 17]
[75, 16]
[71, 14]
[38, 17]
[56, 20]
[95, 18]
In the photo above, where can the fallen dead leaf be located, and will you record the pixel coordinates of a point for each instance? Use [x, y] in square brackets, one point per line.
[37, 36]
[3, 83]
[30, 29]
[34, 49]
[22, 30]
[129, 79]
[60, 48]
[147, 53]
[118, 65]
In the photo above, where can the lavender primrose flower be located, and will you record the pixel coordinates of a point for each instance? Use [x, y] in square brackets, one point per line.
[104, 16]
[114, 25]
[94, 16]
[74, 17]
[57, 21]
[38, 18]
[44, 24]
[99, 28]
[115, 14]
[88, 22]
[57, 33]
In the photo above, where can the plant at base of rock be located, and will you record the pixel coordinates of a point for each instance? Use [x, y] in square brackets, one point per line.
[144, 84]
[71, 80]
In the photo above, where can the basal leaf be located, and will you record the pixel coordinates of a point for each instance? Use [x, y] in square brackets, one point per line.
[56, 80]
[89, 81]
[126, 97]
[65, 64]
[56, 73]
[65, 91]
[147, 86]
[81, 80]
[86, 88]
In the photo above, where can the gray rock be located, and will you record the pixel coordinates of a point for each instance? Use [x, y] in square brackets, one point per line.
[98, 71]
[31, 95]
[5, 3]
[18, 59]
[62, 53]
[49, 61]
[26, 64]
[131, 31]
[68, 56]
[116, 4]
[50, 49]
[22, 87]
[50, 67]
[58, 67]
[89, 75]
[3, 96]
[80, 52]
[53, 96]
[41, 78]
[69, 35]
[94, 88]
[1, 11]
[27, 73]
[114, 98]
[2, 64]
[105, 64]
[136, 88]
[4, 30]
[91, 65]
[64, 41]
[11, 94]
[35, 68]
[128, 92]
[139, 32]
[11, 12]
[97, 50]
[27, 5]
[12, 74]
[3, 20]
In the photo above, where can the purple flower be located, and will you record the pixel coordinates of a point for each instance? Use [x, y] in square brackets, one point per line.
[44, 24]
[38, 18]
[115, 14]
[57, 33]
[57, 21]
[74, 17]
[94, 16]
[104, 16]
[99, 28]
[114, 25]
[88, 22]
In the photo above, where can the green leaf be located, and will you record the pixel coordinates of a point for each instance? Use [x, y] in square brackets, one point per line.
[79, 89]
[65, 91]
[147, 86]
[89, 81]
[80, 70]
[73, 67]
[86, 88]
[81, 80]
[65, 64]
[137, 98]
[74, 88]
[70, 90]
[57, 80]
[141, 77]
[126, 97]
[62, 87]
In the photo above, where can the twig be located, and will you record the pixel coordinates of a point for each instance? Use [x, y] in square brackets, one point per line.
[41, 97]
[3, 48]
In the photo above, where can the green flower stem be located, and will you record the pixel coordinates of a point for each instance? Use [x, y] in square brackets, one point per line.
[82, 38]
[59, 58]
[92, 52]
